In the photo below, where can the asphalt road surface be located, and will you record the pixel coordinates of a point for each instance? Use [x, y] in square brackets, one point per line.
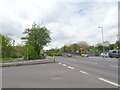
[69, 72]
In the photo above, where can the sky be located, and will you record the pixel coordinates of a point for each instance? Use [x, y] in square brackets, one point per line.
[69, 21]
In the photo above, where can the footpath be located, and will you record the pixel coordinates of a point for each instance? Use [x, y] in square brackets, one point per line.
[28, 62]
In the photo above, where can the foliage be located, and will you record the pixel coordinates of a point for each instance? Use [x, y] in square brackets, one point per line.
[54, 52]
[5, 45]
[118, 44]
[111, 46]
[84, 45]
[73, 48]
[37, 37]
[17, 51]
[29, 52]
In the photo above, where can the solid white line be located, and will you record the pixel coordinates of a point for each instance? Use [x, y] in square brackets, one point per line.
[59, 63]
[64, 65]
[115, 84]
[70, 67]
[83, 72]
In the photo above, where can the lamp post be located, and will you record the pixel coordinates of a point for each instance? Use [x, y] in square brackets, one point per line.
[102, 38]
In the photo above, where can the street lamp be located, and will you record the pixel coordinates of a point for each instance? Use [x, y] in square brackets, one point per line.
[102, 37]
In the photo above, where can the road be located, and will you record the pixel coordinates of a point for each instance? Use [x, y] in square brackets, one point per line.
[69, 72]
[106, 68]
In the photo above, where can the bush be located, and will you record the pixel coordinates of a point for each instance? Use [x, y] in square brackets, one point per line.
[42, 56]
[54, 52]
[84, 52]
[97, 53]
[30, 53]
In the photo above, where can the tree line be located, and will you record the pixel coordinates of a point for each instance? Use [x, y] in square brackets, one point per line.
[37, 37]
[75, 48]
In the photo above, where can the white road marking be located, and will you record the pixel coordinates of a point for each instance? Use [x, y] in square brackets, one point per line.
[83, 72]
[59, 63]
[70, 67]
[113, 66]
[64, 65]
[107, 81]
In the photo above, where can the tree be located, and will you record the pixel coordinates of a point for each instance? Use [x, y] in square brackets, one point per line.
[17, 51]
[118, 44]
[0, 46]
[54, 52]
[5, 45]
[111, 46]
[37, 37]
[84, 45]
[29, 52]
[75, 47]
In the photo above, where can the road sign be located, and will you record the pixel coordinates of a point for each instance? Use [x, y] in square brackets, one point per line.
[81, 48]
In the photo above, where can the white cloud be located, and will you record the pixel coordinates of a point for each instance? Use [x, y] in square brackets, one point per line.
[69, 22]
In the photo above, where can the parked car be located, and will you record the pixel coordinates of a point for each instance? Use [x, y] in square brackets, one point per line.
[69, 55]
[114, 53]
[85, 55]
[105, 54]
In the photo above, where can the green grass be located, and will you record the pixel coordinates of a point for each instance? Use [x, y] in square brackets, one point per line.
[8, 59]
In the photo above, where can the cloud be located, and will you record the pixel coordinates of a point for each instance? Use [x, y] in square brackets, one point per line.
[84, 27]
[68, 21]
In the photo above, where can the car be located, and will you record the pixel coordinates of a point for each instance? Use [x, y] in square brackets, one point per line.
[69, 55]
[105, 54]
[114, 53]
[85, 55]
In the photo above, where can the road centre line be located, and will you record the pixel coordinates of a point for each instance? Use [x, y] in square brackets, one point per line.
[102, 79]
[64, 65]
[83, 72]
[107, 81]
[59, 63]
[70, 67]
[113, 66]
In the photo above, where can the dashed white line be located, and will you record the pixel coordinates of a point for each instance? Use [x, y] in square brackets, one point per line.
[107, 81]
[70, 67]
[64, 65]
[59, 63]
[83, 72]
[113, 66]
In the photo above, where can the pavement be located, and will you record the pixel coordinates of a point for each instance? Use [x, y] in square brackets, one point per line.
[69, 72]
[27, 62]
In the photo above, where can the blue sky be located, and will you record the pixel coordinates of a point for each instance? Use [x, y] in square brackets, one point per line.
[69, 21]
